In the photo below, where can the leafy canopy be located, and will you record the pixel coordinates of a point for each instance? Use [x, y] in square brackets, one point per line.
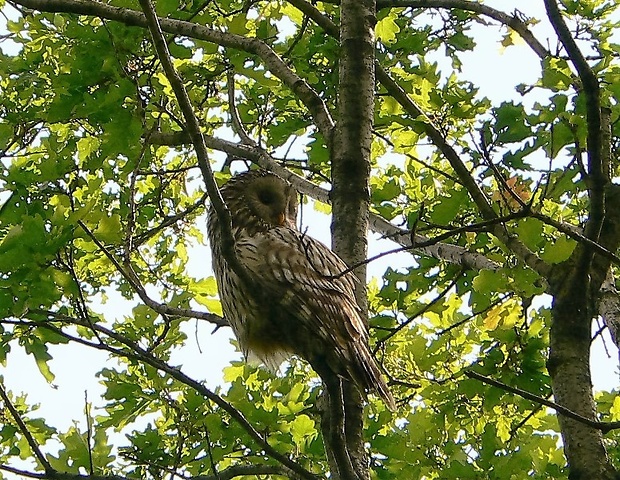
[102, 198]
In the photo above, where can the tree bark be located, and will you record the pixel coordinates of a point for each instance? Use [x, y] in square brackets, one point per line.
[350, 161]
[569, 367]
[578, 296]
[352, 136]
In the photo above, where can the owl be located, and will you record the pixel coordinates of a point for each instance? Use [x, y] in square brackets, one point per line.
[300, 302]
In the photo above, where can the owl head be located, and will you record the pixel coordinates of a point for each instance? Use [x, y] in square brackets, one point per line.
[261, 199]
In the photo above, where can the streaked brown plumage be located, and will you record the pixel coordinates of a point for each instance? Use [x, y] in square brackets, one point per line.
[303, 306]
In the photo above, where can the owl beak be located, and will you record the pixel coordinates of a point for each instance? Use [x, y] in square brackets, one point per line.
[281, 220]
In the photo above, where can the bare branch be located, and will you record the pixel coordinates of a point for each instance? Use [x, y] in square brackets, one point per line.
[442, 251]
[574, 233]
[602, 426]
[512, 21]
[89, 433]
[227, 474]
[131, 215]
[59, 475]
[454, 254]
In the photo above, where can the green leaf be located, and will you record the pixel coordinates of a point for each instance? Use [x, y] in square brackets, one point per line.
[530, 232]
[447, 209]
[510, 125]
[558, 251]
[74, 454]
[557, 74]
[109, 229]
[37, 348]
[387, 29]
[488, 280]
[303, 429]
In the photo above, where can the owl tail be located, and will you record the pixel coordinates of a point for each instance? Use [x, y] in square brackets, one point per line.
[369, 376]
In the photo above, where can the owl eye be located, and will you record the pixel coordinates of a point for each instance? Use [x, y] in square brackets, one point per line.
[266, 197]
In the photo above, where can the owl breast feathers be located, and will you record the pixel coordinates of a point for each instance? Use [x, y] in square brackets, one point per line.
[299, 302]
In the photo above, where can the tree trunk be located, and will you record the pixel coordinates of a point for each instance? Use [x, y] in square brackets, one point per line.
[350, 160]
[353, 135]
[569, 367]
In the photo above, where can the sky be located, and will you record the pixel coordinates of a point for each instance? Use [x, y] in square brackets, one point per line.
[494, 69]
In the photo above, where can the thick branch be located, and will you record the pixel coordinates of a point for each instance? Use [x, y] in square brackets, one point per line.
[350, 195]
[512, 21]
[226, 474]
[568, 364]
[597, 170]
[298, 85]
[317, 16]
[58, 475]
[441, 251]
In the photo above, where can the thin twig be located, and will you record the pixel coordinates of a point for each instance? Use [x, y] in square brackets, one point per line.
[25, 432]
[170, 220]
[422, 310]
[89, 437]
[131, 216]
[136, 352]
[574, 233]
[475, 314]
[234, 112]
[132, 279]
[210, 454]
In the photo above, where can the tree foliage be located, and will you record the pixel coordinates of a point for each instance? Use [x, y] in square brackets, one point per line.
[506, 209]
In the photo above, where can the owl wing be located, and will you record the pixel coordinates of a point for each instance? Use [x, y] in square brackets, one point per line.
[307, 280]
[313, 304]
